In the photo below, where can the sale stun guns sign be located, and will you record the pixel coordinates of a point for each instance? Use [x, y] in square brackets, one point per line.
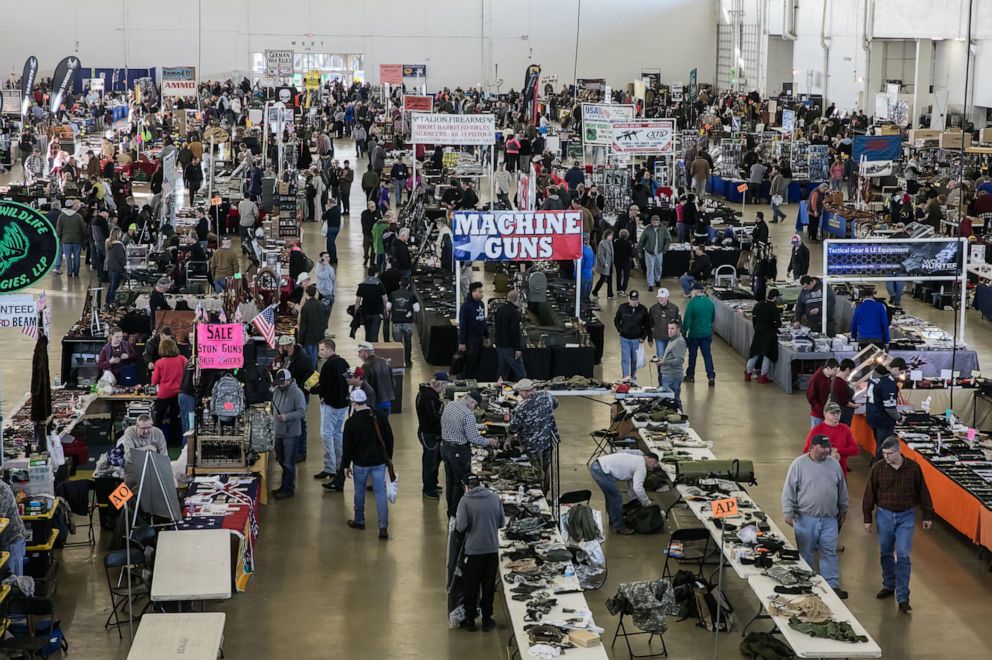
[220, 345]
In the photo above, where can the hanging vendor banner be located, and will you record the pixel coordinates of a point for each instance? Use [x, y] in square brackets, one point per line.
[517, 235]
[178, 81]
[649, 137]
[693, 85]
[591, 84]
[531, 91]
[918, 258]
[220, 345]
[391, 73]
[788, 120]
[65, 73]
[876, 147]
[414, 103]
[28, 76]
[598, 118]
[11, 104]
[18, 311]
[448, 129]
[28, 246]
[872, 168]
[312, 79]
[278, 63]
[414, 70]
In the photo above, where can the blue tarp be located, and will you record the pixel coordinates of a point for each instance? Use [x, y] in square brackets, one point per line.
[876, 147]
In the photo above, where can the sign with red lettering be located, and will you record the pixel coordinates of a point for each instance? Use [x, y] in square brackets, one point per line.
[414, 103]
[742, 188]
[391, 73]
[220, 345]
[517, 235]
[445, 129]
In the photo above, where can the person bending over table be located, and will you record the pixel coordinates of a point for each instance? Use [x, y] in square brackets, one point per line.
[633, 468]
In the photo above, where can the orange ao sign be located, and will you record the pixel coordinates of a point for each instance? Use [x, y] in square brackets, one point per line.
[742, 188]
[724, 508]
[121, 495]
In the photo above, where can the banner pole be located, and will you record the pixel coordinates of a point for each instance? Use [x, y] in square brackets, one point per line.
[964, 290]
[826, 284]
[578, 287]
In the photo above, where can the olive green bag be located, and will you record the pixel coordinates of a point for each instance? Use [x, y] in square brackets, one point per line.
[688, 472]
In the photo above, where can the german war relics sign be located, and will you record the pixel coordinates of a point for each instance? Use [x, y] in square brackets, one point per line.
[28, 246]
[517, 235]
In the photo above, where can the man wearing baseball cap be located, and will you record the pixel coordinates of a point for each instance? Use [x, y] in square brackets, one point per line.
[368, 447]
[633, 324]
[662, 313]
[379, 376]
[814, 501]
[289, 409]
[881, 411]
[459, 432]
[429, 406]
[292, 358]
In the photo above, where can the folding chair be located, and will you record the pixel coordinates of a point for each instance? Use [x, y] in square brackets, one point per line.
[80, 495]
[118, 587]
[725, 274]
[575, 497]
[39, 615]
[693, 535]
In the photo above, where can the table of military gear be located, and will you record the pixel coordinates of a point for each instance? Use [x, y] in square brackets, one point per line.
[680, 442]
[737, 331]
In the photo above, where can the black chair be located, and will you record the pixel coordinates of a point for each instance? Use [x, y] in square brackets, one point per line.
[117, 568]
[81, 498]
[575, 497]
[39, 614]
[691, 536]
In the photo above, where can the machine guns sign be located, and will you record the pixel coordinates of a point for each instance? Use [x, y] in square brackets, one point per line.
[517, 235]
[646, 137]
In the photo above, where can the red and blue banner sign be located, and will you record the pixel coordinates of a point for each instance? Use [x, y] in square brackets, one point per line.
[517, 235]
[876, 147]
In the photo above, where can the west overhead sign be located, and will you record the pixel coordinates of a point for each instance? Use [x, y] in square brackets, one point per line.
[517, 235]
[445, 129]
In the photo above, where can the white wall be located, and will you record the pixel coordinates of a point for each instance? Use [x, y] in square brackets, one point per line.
[845, 67]
[461, 41]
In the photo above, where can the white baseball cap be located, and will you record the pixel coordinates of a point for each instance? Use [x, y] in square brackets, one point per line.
[359, 396]
[663, 293]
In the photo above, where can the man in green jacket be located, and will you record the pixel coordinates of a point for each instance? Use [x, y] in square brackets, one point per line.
[378, 246]
[698, 326]
[654, 242]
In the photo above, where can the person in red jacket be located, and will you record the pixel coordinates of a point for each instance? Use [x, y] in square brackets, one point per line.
[839, 434]
[168, 375]
[818, 390]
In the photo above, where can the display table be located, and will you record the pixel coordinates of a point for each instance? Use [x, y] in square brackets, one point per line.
[951, 501]
[192, 636]
[260, 468]
[676, 262]
[803, 645]
[192, 565]
[737, 331]
[727, 188]
[229, 503]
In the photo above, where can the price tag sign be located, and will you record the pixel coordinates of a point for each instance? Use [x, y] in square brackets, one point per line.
[724, 508]
[215, 201]
[121, 495]
[742, 188]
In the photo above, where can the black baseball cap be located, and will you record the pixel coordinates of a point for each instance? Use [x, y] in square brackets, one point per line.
[898, 363]
[821, 440]
[634, 295]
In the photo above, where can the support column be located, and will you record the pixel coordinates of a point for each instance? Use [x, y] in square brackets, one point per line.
[873, 81]
[922, 98]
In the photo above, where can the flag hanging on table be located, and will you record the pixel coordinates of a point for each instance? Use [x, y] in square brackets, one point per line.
[265, 323]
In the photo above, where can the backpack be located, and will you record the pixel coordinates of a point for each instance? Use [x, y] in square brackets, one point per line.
[684, 591]
[307, 263]
[765, 646]
[643, 519]
[708, 599]
[262, 432]
[227, 400]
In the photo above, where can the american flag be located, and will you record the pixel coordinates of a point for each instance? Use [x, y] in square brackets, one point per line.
[41, 307]
[265, 323]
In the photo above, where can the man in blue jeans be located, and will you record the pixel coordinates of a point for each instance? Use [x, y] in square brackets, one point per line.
[634, 324]
[697, 324]
[368, 449]
[814, 502]
[289, 407]
[895, 488]
[610, 469]
[333, 390]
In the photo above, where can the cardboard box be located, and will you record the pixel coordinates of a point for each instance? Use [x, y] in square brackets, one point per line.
[284, 187]
[888, 129]
[835, 197]
[392, 352]
[985, 135]
[924, 134]
[584, 638]
[953, 140]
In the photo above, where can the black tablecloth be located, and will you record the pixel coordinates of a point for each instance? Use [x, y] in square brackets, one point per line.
[676, 262]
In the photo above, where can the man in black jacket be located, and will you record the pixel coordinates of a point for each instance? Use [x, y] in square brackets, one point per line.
[633, 323]
[368, 447]
[473, 331]
[401, 252]
[469, 200]
[429, 407]
[313, 323]
[699, 270]
[333, 391]
[369, 217]
[403, 304]
[509, 347]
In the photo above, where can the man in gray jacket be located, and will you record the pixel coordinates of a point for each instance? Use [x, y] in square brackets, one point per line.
[671, 365]
[655, 241]
[661, 314]
[379, 375]
[480, 517]
[71, 230]
[289, 407]
[814, 501]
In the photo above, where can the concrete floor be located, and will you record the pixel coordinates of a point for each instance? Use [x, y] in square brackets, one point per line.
[322, 590]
